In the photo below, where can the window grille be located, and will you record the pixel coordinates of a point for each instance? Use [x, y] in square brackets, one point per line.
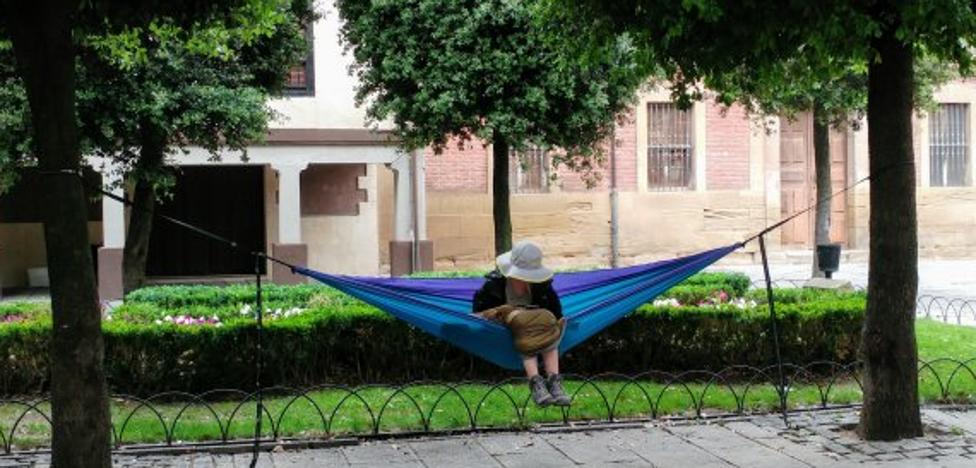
[301, 77]
[529, 170]
[948, 145]
[669, 147]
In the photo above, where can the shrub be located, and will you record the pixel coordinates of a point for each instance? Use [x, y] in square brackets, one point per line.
[736, 284]
[354, 343]
[15, 311]
[711, 338]
[797, 295]
[176, 298]
[450, 274]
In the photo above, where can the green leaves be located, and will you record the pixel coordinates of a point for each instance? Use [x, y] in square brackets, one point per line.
[202, 83]
[775, 57]
[443, 68]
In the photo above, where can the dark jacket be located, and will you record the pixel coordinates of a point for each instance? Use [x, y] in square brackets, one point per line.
[492, 294]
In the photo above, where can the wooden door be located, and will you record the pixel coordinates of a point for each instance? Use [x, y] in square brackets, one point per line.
[798, 181]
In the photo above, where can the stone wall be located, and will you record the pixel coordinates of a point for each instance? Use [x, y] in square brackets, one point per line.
[946, 222]
[573, 229]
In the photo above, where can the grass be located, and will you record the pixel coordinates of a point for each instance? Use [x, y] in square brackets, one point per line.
[336, 411]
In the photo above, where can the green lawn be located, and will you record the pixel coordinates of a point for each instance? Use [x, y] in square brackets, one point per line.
[440, 407]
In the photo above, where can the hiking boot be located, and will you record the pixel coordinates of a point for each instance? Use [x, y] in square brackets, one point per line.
[540, 395]
[559, 397]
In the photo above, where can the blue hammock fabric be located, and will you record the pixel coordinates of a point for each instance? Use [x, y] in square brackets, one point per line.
[592, 301]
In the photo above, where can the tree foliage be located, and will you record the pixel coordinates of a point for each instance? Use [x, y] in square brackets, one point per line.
[693, 41]
[799, 85]
[465, 68]
[206, 84]
[696, 41]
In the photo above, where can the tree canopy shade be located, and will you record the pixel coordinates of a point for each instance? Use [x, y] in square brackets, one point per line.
[206, 85]
[696, 39]
[469, 68]
[148, 90]
[45, 36]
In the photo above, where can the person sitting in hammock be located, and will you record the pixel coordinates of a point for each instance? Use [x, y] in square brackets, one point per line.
[519, 294]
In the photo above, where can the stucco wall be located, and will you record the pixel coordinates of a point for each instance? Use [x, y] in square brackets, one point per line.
[346, 244]
[333, 105]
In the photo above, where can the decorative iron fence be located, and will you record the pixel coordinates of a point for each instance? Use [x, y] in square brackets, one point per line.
[327, 411]
[961, 311]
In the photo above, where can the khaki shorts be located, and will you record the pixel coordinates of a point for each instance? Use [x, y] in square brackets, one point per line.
[534, 330]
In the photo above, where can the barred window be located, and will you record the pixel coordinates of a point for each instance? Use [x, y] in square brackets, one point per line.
[301, 77]
[948, 145]
[669, 147]
[529, 170]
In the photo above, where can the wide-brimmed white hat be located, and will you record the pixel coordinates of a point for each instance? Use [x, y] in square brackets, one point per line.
[523, 262]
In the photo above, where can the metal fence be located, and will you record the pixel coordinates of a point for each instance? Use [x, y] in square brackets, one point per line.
[219, 415]
[223, 416]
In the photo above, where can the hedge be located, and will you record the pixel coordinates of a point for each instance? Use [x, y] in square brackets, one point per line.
[356, 343]
[694, 289]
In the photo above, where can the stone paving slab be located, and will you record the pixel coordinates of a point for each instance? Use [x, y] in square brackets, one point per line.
[514, 450]
[593, 448]
[814, 439]
[733, 448]
[449, 453]
[664, 449]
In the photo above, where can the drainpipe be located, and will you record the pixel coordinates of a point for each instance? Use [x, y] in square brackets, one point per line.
[614, 209]
[414, 215]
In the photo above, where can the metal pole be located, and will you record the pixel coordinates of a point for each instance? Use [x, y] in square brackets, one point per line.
[414, 215]
[259, 360]
[614, 209]
[772, 318]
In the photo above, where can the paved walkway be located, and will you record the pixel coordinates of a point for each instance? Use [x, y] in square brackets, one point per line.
[943, 278]
[814, 439]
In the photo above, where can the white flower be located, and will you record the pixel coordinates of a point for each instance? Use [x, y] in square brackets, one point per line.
[669, 302]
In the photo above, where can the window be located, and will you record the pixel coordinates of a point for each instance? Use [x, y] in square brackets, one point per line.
[529, 171]
[669, 147]
[301, 78]
[948, 145]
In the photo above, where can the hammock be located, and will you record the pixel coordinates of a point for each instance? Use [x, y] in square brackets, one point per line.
[592, 301]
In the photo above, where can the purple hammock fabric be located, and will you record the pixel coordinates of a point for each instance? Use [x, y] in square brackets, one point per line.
[592, 301]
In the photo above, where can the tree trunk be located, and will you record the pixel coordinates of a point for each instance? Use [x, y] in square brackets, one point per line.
[136, 250]
[501, 210]
[888, 349]
[821, 158]
[42, 38]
